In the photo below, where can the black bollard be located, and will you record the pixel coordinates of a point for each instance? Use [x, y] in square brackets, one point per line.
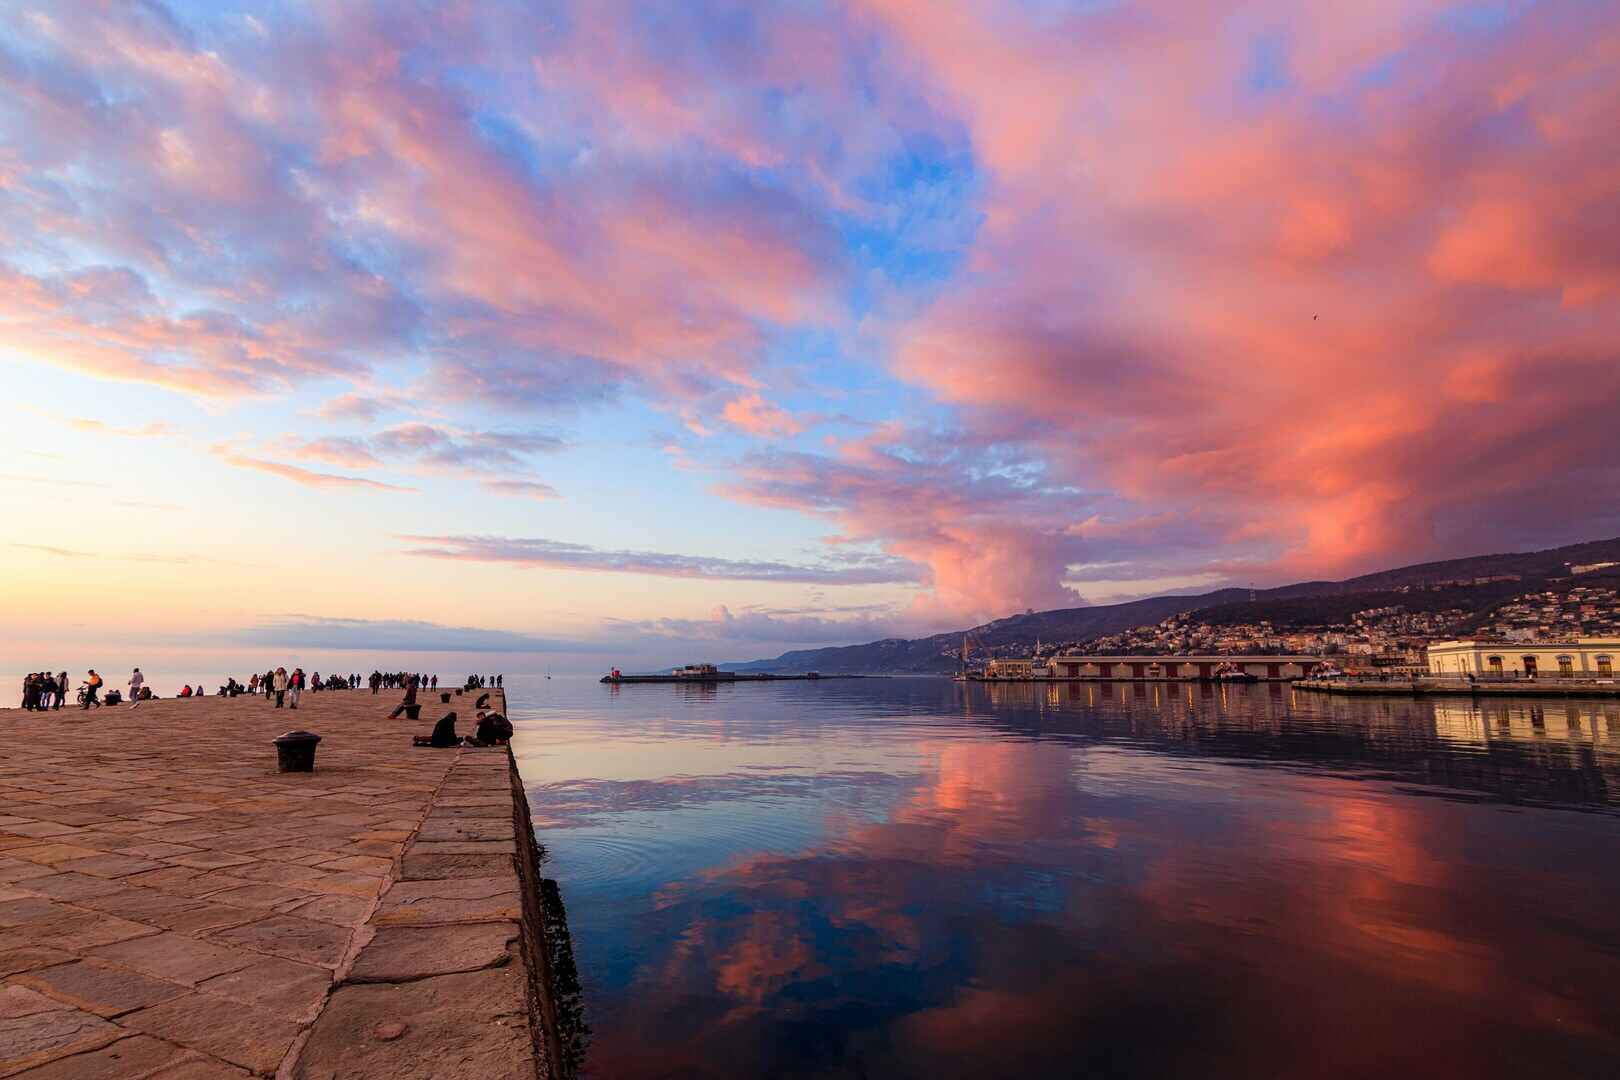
[295, 751]
[444, 697]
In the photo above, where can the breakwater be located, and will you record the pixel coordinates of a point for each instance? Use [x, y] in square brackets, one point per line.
[169, 901]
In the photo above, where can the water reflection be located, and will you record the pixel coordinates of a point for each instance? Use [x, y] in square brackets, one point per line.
[913, 878]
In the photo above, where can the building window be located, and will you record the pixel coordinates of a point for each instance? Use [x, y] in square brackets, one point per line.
[1529, 665]
[1605, 667]
[1496, 665]
[1566, 666]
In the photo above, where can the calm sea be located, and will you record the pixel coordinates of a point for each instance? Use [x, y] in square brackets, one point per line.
[910, 878]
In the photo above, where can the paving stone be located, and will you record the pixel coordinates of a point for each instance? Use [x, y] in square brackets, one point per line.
[334, 908]
[156, 849]
[51, 854]
[110, 865]
[137, 1056]
[291, 937]
[210, 860]
[15, 870]
[276, 873]
[473, 899]
[415, 867]
[138, 905]
[199, 1068]
[80, 932]
[399, 953]
[462, 847]
[176, 957]
[39, 828]
[255, 1039]
[167, 880]
[289, 989]
[35, 1029]
[304, 856]
[98, 987]
[30, 909]
[30, 957]
[362, 864]
[71, 887]
[458, 1027]
[348, 883]
[204, 917]
[259, 895]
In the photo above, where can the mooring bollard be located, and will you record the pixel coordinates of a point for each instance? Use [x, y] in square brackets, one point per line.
[295, 751]
[444, 697]
[413, 712]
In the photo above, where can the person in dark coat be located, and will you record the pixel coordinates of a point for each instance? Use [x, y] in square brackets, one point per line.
[444, 734]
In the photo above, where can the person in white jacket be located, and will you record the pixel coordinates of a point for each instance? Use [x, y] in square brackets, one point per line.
[280, 686]
[136, 681]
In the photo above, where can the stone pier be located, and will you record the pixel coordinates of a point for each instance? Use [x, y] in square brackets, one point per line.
[173, 907]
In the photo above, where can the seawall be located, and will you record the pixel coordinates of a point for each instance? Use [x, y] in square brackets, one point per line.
[171, 904]
[1461, 688]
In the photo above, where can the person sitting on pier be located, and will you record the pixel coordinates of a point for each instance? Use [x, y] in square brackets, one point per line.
[493, 730]
[482, 702]
[410, 700]
[444, 734]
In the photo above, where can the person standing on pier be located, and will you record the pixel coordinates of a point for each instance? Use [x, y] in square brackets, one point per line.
[278, 682]
[92, 687]
[136, 681]
[61, 689]
[295, 684]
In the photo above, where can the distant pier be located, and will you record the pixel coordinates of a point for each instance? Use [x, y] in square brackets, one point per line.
[722, 677]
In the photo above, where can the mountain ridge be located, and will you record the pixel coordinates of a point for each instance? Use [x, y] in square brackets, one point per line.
[936, 652]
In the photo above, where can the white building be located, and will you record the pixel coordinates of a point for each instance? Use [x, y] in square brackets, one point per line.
[1585, 658]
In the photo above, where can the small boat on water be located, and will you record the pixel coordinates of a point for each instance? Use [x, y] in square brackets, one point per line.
[1232, 673]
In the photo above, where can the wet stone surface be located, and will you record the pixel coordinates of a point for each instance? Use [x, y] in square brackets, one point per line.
[171, 905]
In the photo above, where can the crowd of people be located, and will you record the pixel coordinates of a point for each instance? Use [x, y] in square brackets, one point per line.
[44, 690]
[399, 680]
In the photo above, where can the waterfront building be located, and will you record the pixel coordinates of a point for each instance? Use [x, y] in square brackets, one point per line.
[1583, 658]
[1138, 666]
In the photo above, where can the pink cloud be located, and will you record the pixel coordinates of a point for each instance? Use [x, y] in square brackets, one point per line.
[1296, 319]
[306, 477]
[756, 416]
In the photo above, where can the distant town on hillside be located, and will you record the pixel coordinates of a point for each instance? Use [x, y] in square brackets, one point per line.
[1387, 618]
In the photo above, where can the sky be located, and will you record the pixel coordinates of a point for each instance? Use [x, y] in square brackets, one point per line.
[705, 330]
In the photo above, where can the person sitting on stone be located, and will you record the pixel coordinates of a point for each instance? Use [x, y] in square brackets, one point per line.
[444, 734]
[482, 702]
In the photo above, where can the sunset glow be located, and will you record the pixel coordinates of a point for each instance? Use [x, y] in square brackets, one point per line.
[709, 330]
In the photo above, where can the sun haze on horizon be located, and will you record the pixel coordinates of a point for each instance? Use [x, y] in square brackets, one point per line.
[710, 330]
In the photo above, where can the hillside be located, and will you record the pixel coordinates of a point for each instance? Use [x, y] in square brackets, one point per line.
[1447, 585]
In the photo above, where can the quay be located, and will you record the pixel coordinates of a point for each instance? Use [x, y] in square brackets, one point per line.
[1077, 667]
[172, 906]
[1550, 687]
